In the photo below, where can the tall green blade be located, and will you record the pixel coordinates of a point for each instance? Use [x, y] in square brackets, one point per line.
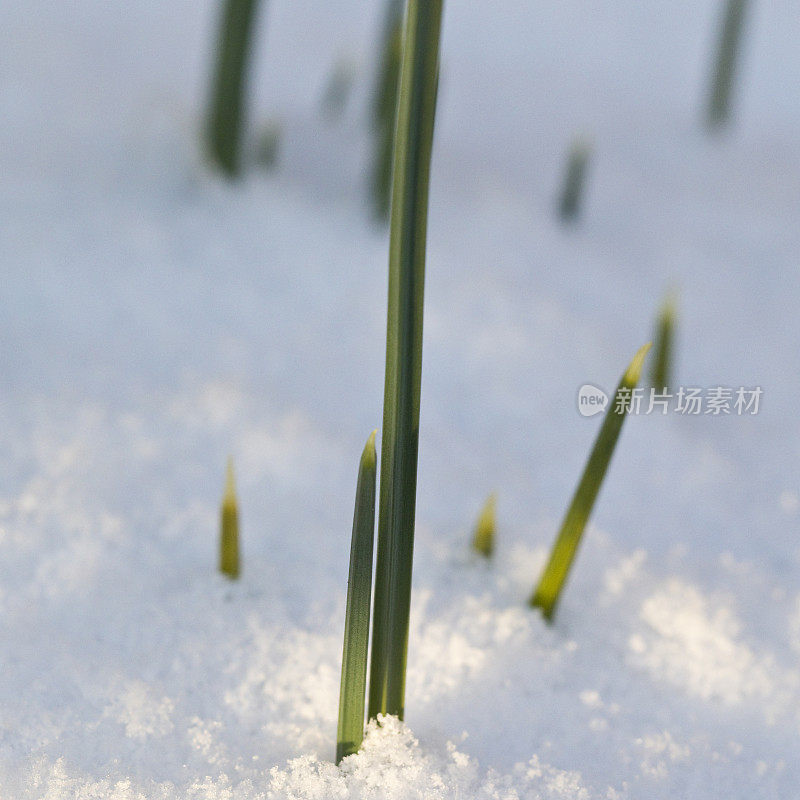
[413, 144]
[227, 102]
[229, 528]
[725, 65]
[661, 373]
[384, 107]
[356, 621]
[562, 555]
[483, 539]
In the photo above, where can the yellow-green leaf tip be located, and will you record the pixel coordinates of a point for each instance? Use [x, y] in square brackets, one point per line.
[229, 527]
[483, 540]
[229, 495]
[634, 371]
[669, 307]
[369, 458]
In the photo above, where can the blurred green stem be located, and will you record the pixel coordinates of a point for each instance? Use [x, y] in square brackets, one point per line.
[725, 64]
[574, 180]
[227, 103]
[384, 107]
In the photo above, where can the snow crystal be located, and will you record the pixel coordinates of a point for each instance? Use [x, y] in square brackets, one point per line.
[695, 643]
[661, 750]
[392, 766]
[141, 711]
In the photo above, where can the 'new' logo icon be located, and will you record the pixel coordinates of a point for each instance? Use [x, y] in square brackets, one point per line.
[591, 400]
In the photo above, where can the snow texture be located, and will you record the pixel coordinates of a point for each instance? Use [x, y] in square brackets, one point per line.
[156, 318]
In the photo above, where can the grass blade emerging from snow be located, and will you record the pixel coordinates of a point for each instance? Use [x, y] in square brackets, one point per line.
[226, 112]
[661, 372]
[562, 555]
[229, 528]
[725, 65]
[574, 180]
[356, 624]
[385, 107]
[483, 540]
[398, 487]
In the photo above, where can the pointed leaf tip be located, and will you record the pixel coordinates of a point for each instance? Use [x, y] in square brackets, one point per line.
[634, 371]
[669, 307]
[229, 527]
[483, 538]
[369, 458]
[229, 495]
[490, 506]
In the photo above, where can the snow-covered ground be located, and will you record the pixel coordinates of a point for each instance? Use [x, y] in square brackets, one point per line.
[155, 319]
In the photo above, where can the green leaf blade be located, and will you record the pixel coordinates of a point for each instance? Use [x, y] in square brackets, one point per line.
[661, 373]
[350, 732]
[229, 527]
[562, 555]
[409, 214]
[384, 108]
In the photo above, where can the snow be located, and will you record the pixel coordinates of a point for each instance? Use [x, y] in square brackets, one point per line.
[156, 319]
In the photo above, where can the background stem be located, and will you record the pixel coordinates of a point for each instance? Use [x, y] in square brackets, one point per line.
[227, 104]
[725, 65]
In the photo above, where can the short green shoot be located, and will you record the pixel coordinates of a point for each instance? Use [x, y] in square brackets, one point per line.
[229, 528]
[401, 399]
[554, 577]
[483, 538]
[661, 372]
[384, 108]
[227, 103]
[725, 65]
[569, 203]
[356, 622]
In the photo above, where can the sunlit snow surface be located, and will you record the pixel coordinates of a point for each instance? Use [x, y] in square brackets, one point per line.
[155, 319]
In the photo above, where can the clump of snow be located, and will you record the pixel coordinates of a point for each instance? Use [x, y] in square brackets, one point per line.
[141, 711]
[392, 766]
[696, 644]
[659, 751]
